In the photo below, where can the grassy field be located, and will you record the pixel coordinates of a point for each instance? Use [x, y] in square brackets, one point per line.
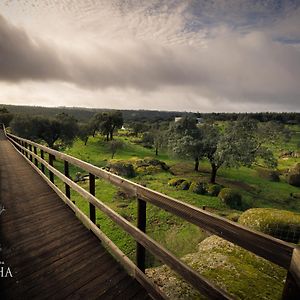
[177, 235]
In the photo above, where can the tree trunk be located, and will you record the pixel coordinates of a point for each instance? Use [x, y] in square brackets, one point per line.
[213, 175]
[196, 168]
[107, 137]
[156, 151]
[94, 132]
[86, 140]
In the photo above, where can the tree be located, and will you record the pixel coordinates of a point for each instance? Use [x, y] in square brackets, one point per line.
[185, 139]
[138, 127]
[84, 131]
[50, 130]
[69, 128]
[114, 146]
[242, 142]
[5, 116]
[107, 123]
[153, 138]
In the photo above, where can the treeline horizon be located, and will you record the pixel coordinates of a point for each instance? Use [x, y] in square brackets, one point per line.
[83, 114]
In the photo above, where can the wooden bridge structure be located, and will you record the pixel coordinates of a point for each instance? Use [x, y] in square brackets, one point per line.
[55, 251]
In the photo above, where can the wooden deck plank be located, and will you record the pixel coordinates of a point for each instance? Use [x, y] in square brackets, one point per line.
[51, 254]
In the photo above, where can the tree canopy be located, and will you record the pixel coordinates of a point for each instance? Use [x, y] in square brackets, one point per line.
[5, 116]
[63, 127]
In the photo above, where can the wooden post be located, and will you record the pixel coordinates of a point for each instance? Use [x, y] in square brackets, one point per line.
[26, 148]
[42, 165]
[30, 148]
[23, 144]
[291, 289]
[35, 152]
[51, 175]
[141, 224]
[92, 191]
[67, 188]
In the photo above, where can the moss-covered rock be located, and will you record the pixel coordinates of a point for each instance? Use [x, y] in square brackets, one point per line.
[148, 165]
[213, 189]
[295, 169]
[294, 175]
[231, 197]
[184, 185]
[294, 179]
[241, 273]
[198, 187]
[175, 181]
[268, 174]
[281, 224]
[121, 168]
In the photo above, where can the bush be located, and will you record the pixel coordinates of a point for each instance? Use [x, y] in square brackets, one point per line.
[231, 197]
[198, 187]
[184, 185]
[213, 189]
[175, 181]
[294, 179]
[281, 224]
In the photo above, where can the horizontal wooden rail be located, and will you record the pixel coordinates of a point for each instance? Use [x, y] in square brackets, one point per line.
[275, 250]
[131, 268]
[198, 281]
[272, 249]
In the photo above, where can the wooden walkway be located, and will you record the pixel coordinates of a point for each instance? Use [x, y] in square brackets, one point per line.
[50, 253]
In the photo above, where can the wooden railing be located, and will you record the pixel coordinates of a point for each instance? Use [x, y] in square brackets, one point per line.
[279, 252]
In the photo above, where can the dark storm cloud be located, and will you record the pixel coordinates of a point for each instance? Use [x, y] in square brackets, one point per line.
[243, 68]
[24, 58]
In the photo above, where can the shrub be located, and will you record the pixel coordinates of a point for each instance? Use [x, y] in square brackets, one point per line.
[175, 181]
[231, 197]
[198, 187]
[281, 224]
[213, 189]
[184, 185]
[294, 179]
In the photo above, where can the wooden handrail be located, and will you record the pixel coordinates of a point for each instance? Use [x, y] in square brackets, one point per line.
[198, 281]
[272, 249]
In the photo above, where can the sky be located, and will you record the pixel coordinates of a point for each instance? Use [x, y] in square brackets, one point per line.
[180, 55]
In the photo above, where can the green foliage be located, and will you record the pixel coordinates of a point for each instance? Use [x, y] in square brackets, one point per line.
[184, 185]
[114, 146]
[107, 122]
[231, 197]
[84, 131]
[198, 187]
[185, 139]
[50, 130]
[241, 143]
[5, 116]
[281, 224]
[176, 181]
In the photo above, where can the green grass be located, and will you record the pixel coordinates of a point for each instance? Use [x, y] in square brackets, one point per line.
[174, 233]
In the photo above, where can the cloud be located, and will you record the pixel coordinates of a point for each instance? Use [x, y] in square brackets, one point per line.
[189, 53]
[24, 58]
